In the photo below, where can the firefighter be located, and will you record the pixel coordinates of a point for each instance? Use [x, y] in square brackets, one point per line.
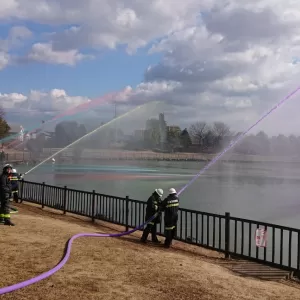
[153, 205]
[14, 178]
[170, 206]
[5, 192]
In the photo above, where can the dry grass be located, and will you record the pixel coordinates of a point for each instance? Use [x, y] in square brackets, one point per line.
[116, 268]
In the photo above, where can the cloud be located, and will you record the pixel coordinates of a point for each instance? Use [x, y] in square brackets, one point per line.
[234, 65]
[53, 101]
[4, 60]
[222, 60]
[110, 24]
[44, 53]
[15, 38]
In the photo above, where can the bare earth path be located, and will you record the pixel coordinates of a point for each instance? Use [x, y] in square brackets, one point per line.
[116, 268]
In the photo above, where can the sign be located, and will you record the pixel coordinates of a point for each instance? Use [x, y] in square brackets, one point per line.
[261, 237]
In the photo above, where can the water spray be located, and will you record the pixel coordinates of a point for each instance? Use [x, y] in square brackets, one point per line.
[88, 134]
[233, 143]
[23, 284]
[66, 114]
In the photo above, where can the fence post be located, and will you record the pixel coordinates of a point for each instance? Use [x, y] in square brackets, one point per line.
[227, 234]
[21, 190]
[93, 205]
[65, 199]
[43, 195]
[127, 213]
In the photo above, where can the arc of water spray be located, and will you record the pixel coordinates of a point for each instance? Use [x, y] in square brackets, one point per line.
[68, 113]
[23, 284]
[90, 133]
[241, 136]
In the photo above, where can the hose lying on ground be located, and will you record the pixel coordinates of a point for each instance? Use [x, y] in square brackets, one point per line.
[66, 257]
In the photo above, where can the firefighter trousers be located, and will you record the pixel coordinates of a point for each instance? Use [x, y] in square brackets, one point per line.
[150, 228]
[4, 209]
[170, 231]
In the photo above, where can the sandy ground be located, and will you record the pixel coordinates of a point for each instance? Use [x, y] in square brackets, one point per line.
[116, 268]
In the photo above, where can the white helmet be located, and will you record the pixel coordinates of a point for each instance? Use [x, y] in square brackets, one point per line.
[172, 191]
[159, 192]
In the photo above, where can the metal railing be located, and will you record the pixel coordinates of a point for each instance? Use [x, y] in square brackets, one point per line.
[224, 233]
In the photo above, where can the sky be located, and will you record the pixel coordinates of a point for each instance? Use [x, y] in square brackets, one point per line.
[207, 60]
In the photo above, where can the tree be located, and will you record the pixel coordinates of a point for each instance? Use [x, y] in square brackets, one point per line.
[4, 127]
[197, 132]
[222, 134]
[209, 140]
[263, 145]
[173, 136]
[185, 139]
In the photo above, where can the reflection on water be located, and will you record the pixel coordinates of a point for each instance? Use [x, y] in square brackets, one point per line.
[267, 192]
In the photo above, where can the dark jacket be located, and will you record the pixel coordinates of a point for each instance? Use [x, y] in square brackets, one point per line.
[5, 187]
[153, 205]
[170, 206]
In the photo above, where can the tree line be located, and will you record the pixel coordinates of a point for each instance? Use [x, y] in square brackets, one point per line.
[200, 137]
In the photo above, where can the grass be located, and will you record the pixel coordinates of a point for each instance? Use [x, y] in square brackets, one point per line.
[116, 268]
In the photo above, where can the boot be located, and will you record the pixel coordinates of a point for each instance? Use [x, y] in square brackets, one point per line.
[145, 236]
[8, 222]
[1, 221]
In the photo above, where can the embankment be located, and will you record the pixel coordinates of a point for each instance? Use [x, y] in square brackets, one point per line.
[109, 154]
[116, 268]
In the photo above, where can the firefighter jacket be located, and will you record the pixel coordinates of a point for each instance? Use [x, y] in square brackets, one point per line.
[170, 206]
[5, 187]
[153, 205]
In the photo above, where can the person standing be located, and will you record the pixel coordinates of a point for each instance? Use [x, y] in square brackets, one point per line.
[153, 205]
[5, 192]
[170, 206]
[15, 178]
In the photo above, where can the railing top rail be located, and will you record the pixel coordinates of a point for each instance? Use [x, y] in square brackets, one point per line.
[265, 224]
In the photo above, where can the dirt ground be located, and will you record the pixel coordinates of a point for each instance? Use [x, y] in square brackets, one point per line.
[116, 268]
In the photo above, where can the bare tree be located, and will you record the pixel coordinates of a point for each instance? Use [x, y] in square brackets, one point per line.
[198, 131]
[4, 128]
[221, 132]
[221, 129]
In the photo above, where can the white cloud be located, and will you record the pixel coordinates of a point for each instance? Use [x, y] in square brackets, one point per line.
[4, 60]
[222, 60]
[45, 53]
[53, 101]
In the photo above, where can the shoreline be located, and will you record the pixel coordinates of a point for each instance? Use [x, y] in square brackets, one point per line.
[106, 154]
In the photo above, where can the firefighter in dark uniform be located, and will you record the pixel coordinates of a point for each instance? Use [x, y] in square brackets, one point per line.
[5, 192]
[170, 206]
[15, 178]
[153, 205]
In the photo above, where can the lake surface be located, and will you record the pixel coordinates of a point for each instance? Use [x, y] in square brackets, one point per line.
[263, 192]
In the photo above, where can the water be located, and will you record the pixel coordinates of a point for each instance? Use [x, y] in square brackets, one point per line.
[263, 192]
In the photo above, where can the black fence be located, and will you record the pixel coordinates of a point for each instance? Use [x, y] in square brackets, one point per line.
[224, 233]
